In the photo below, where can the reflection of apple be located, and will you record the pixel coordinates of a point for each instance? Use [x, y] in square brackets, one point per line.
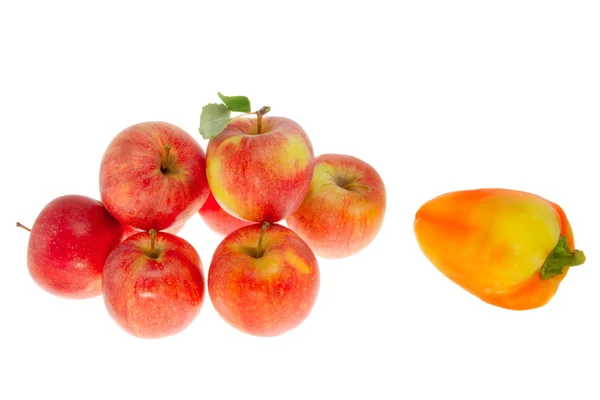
[260, 174]
[263, 280]
[153, 284]
[219, 220]
[153, 176]
[344, 208]
[69, 243]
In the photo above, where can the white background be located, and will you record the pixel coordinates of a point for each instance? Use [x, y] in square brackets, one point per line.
[437, 96]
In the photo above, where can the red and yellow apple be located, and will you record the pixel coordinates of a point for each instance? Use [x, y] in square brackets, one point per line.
[153, 284]
[219, 220]
[153, 176]
[263, 280]
[70, 240]
[260, 173]
[344, 208]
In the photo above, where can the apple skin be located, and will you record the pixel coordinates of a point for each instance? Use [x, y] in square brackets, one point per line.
[68, 245]
[344, 208]
[153, 297]
[264, 296]
[219, 220]
[137, 192]
[260, 177]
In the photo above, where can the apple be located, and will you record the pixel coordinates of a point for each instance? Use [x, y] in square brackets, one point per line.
[153, 284]
[344, 208]
[219, 220]
[259, 169]
[69, 242]
[153, 176]
[263, 280]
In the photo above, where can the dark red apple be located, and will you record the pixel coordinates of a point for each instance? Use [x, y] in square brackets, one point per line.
[263, 280]
[69, 243]
[153, 176]
[219, 220]
[153, 284]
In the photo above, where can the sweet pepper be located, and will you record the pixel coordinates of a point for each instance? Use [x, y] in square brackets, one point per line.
[510, 248]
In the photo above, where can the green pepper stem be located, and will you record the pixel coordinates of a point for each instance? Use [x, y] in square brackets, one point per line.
[560, 258]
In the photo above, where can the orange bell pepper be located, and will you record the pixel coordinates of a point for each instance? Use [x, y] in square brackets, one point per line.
[510, 248]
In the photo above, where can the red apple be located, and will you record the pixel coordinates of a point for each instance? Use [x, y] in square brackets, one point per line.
[153, 176]
[260, 171]
[264, 280]
[69, 243]
[344, 208]
[153, 284]
[219, 220]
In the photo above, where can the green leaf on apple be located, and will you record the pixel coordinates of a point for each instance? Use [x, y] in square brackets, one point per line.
[236, 103]
[213, 119]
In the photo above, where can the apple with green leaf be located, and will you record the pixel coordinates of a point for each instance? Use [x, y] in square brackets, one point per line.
[263, 279]
[344, 208]
[153, 176]
[258, 169]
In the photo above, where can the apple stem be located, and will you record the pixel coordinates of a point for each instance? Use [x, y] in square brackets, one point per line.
[259, 249]
[20, 225]
[259, 115]
[152, 240]
[164, 161]
[352, 186]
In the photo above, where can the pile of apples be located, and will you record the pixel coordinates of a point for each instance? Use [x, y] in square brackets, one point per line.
[257, 173]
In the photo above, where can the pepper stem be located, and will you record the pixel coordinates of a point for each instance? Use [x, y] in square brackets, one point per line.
[20, 225]
[559, 258]
[259, 115]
